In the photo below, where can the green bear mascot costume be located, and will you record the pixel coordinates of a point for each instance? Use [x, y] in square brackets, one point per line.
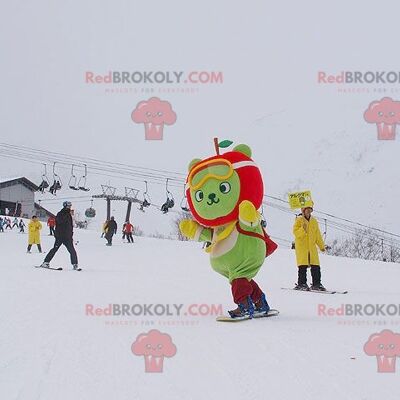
[224, 193]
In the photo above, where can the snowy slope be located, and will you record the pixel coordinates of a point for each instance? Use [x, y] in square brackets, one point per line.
[51, 350]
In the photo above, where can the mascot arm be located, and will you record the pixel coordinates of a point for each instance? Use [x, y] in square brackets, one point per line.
[193, 230]
[249, 217]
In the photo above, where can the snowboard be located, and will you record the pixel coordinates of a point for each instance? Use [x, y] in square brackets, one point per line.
[318, 291]
[228, 318]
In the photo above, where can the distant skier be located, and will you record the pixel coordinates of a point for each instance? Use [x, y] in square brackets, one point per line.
[307, 238]
[34, 228]
[127, 231]
[104, 228]
[111, 231]
[123, 231]
[15, 223]
[63, 235]
[7, 223]
[21, 226]
[51, 223]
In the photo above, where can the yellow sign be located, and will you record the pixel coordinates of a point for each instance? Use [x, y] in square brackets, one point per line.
[300, 200]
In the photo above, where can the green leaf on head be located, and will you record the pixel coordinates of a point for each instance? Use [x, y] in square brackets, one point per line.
[224, 144]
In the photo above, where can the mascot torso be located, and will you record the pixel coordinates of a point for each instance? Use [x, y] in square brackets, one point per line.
[215, 188]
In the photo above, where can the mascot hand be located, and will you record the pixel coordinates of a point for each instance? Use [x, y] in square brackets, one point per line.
[248, 213]
[188, 228]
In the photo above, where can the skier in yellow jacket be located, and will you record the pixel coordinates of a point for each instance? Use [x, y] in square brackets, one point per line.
[307, 238]
[34, 228]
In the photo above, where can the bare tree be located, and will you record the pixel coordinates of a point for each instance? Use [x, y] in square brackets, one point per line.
[137, 231]
[158, 235]
[366, 244]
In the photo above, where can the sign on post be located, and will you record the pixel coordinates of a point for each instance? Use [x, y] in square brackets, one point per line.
[300, 199]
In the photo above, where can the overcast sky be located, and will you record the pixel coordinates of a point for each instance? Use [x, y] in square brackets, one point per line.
[304, 134]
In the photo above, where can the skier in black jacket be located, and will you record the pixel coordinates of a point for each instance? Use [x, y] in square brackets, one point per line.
[63, 235]
[111, 230]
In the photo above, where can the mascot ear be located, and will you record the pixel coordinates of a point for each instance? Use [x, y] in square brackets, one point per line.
[193, 163]
[244, 149]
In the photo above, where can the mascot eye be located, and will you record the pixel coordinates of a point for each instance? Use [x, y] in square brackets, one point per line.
[199, 195]
[225, 187]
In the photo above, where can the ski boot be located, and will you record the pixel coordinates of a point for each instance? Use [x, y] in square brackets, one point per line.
[76, 268]
[301, 286]
[318, 287]
[243, 310]
[261, 306]
[44, 265]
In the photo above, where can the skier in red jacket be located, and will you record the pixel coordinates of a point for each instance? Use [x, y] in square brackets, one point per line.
[51, 223]
[127, 230]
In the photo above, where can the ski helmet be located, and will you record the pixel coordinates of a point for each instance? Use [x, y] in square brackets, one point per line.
[67, 204]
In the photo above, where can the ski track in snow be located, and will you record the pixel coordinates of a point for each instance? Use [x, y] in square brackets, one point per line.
[51, 350]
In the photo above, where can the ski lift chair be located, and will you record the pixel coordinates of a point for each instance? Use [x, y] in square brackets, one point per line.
[45, 181]
[184, 203]
[169, 202]
[57, 184]
[146, 200]
[73, 180]
[82, 182]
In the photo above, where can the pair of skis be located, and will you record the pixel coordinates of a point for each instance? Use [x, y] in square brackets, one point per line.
[55, 268]
[317, 291]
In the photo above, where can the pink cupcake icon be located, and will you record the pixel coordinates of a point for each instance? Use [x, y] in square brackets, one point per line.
[154, 114]
[154, 346]
[385, 346]
[386, 115]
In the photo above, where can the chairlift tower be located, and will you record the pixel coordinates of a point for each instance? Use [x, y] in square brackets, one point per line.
[109, 194]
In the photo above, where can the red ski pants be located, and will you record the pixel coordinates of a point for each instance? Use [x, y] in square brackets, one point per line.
[242, 288]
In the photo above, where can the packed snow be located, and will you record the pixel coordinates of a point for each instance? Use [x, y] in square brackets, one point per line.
[53, 346]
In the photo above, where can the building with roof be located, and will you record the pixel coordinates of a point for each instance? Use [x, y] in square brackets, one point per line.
[17, 198]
